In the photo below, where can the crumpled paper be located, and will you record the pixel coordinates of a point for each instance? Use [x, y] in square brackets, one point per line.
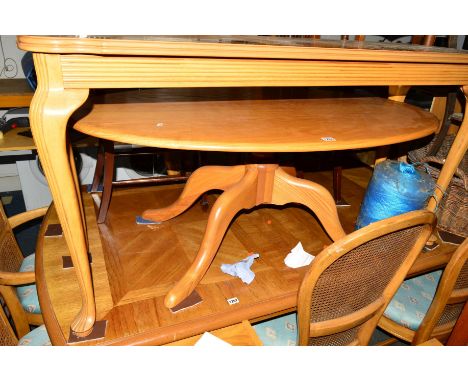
[298, 257]
[241, 269]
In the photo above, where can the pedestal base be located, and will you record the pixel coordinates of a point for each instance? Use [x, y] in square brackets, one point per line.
[244, 187]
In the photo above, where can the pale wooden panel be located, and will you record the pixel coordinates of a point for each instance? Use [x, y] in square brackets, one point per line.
[260, 49]
[432, 342]
[145, 72]
[238, 335]
[261, 126]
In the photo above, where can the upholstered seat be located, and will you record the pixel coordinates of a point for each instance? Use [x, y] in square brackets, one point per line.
[281, 331]
[8, 336]
[413, 299]
[27, 294]
[36, 337]
[428, 306]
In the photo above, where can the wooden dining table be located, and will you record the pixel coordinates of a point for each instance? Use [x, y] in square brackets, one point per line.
[68, 67]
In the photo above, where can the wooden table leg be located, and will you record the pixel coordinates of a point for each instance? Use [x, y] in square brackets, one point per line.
[289, 189]
[248, 186]
[51, 107]
[202, 180]
[237, 197]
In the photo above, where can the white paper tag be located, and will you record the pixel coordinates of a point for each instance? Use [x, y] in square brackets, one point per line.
[232, 301]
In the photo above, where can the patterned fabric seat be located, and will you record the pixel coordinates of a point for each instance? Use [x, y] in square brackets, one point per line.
[413, 299]
[279, 331]
[36, 337]
[27, 294]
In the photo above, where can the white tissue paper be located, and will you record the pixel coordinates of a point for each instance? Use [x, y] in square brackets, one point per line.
[298, 257]
[241, 269]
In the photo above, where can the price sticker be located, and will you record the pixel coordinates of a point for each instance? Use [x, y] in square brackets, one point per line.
[232, 301]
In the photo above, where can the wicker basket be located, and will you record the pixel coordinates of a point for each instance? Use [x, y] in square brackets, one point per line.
[452, 211]
[417, 155]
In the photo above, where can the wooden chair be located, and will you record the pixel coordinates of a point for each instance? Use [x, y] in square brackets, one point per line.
[17, 273]
[349, 284]
[428, 306]
[8, 337]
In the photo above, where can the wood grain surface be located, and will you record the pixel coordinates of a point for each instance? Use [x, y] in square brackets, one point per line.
[261, 125]
[237, 335]
[81, 71]
[259, 48]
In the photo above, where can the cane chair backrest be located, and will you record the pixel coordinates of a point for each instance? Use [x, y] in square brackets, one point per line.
[349, 284]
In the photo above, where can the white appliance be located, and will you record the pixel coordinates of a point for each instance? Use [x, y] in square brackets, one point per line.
[34, 185]
[9, 179]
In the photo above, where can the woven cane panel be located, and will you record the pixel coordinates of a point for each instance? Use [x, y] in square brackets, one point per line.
[6, 337]
[452, 213]
[10, 254]
[3, 218]
[462, 279]
[336, 339]
[450, 314]
[360, 276]
[3, 222]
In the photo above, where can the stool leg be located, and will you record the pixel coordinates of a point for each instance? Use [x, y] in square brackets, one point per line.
[337, 176]
[99, 167]
[109, 161]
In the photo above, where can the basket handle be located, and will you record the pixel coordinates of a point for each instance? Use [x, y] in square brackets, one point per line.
[458, 171]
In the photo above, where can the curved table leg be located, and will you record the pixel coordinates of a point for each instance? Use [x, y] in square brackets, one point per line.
[241, 195]
[71, 160]
[202, 180]
[289, 189]
[51, 107]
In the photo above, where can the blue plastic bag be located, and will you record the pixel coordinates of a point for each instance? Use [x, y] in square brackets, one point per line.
[395, 188]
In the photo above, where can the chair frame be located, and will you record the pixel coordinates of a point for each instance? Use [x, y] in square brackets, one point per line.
[372, 312]
[7, 334]
[10, 280]
[445, 294]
